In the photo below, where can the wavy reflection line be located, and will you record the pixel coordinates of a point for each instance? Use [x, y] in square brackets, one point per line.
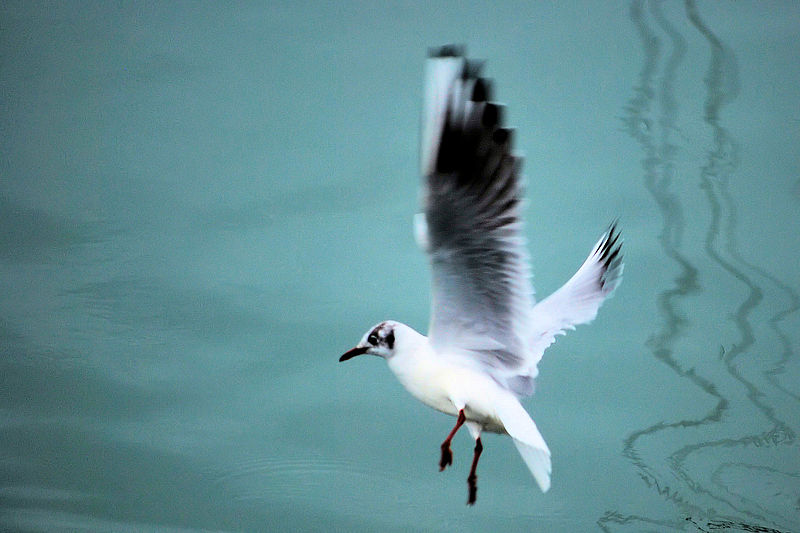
[613, 517]
[722, 162]
[722, 85]
[658, 165]
[760, 472]
[787, 352]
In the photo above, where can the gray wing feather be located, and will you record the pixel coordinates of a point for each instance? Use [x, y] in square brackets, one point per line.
[471, 228]
[482, 296]
[579, 299]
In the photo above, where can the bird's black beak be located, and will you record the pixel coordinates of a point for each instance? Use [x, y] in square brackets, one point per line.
[358, 350]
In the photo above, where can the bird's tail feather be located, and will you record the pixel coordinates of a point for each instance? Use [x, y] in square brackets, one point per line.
[527, 439]
[538, 461]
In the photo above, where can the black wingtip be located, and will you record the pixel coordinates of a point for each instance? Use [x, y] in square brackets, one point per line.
[473, 69]
[502, 136]
[612, 236]
[474, 141]
[492, 116]
[611, 258]
[448, 50]
[482, 90]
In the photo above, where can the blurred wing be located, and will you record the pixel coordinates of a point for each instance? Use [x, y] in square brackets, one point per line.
[482, 296]
[579, 299]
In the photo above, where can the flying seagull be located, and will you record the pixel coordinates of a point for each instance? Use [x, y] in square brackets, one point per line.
[486, 334]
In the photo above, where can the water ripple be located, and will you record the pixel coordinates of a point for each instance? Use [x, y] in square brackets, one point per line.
[266, 477]
[706, 500]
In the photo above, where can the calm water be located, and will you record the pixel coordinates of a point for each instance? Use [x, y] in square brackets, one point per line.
[203, 205]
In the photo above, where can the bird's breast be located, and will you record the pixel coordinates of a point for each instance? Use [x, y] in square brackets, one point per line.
[426, 380]
[447, 388]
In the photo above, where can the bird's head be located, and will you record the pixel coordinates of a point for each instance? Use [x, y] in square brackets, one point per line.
[382, 340]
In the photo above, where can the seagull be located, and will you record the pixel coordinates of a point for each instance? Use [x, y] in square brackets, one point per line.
[486, 334]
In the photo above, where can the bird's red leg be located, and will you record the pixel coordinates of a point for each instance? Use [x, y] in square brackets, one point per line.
[447, 454]
[472, 480]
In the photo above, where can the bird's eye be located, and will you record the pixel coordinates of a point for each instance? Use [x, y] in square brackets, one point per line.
[373, 338]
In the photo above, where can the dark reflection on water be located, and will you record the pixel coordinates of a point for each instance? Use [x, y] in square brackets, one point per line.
[722, 86]
[705, 499]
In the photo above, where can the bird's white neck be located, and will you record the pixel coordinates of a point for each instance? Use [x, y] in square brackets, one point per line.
[411, 345]
[420, 372]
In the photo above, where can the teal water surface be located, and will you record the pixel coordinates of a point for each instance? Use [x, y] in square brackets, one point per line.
[202, 205]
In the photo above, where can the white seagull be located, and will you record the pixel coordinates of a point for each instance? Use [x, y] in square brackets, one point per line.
[486, 336]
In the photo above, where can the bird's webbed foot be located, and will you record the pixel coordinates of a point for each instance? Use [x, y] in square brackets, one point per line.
[447, 456]
[472, 482]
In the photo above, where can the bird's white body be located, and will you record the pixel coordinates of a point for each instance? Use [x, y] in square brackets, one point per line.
[442, 381]
[445, 386]
[487, 333]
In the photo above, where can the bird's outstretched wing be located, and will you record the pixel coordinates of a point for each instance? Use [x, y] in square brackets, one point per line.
[472, 227]
[579, 299]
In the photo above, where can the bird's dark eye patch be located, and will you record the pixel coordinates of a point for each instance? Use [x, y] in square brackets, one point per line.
[390, 339]
[382, 335]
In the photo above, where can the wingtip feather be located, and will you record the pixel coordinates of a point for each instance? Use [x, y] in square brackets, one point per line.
[610, 257]
[448, 50]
